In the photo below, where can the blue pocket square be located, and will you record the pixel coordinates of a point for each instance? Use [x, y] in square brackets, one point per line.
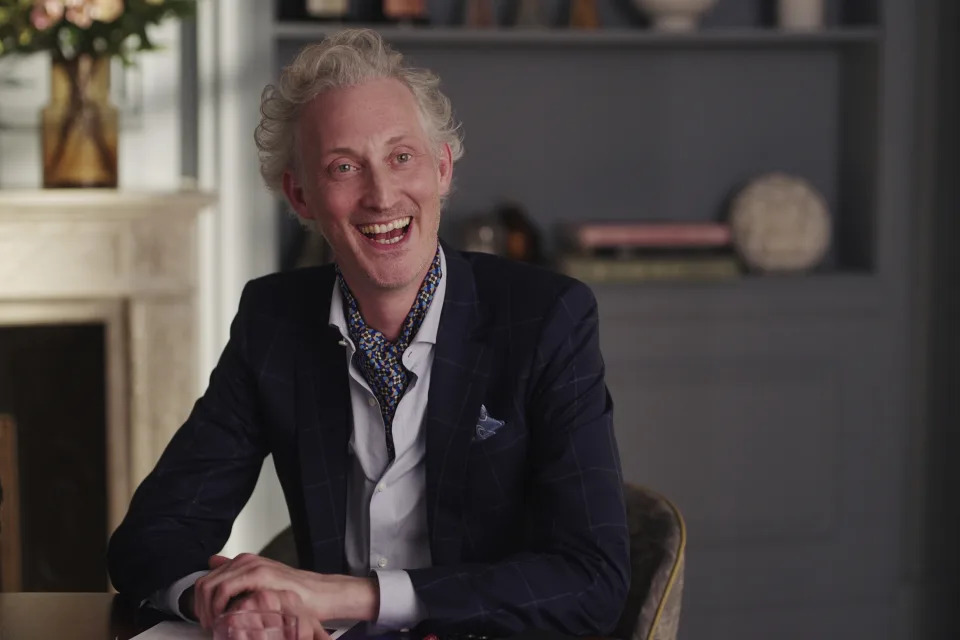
[487, 425]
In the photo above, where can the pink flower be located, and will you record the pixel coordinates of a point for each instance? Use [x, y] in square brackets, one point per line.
[106, 10]
[80, 12]
[46, 13]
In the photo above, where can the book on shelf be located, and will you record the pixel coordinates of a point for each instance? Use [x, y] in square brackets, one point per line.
[328, 9]
[314, 10]
[588, 236]
[647, 269]
[405, 11]
[353, 11]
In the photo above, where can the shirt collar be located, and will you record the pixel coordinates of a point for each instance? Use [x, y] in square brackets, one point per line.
[431, 321]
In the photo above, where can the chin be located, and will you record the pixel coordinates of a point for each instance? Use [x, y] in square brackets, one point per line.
[397, 278]
[391, 268]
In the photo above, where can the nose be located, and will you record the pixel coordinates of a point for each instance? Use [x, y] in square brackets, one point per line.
[381, 192]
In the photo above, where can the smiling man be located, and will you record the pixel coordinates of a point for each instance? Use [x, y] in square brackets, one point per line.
[438, 420]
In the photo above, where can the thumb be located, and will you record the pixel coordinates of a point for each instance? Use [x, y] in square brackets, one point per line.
[319, 633]
[217, 561]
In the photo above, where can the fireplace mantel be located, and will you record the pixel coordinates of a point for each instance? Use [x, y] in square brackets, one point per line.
[128, 260]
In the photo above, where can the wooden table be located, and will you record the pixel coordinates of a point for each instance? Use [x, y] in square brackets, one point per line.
[104, 616]
[77, 616]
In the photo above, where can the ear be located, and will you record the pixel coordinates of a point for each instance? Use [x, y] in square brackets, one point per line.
[293, 190]
[445, 169]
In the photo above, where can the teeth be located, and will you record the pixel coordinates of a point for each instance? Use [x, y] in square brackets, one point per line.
[399, 223]
[388, 241]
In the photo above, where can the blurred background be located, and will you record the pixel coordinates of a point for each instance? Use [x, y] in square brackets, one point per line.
[763, 195]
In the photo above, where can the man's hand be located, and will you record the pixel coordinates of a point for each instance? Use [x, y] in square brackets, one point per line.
[308, 625]
[326, 597]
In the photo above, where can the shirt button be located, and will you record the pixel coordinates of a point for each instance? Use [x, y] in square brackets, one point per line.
[372, 401]
[381, 487]
[382, 562]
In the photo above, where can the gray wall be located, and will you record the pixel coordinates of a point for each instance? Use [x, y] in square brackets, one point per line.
[933, 554]
[781, 414]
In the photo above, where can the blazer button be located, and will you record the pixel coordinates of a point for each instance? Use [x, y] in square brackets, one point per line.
[372, 402]
[382, 562]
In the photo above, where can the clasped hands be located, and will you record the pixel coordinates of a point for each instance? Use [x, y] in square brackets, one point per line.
[252, 582]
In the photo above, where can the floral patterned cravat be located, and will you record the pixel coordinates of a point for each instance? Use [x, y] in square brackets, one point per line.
[379, 360]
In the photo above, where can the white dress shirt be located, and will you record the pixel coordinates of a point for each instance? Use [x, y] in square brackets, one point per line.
[386, 526]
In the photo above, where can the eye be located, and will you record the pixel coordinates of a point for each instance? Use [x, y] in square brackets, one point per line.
[404, 157]
[343, 167]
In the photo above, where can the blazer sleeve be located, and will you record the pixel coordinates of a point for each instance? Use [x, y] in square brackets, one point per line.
[183, 511]
[574, 573]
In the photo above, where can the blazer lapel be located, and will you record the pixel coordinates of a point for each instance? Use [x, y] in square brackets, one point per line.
[461, 366]
[323, 432]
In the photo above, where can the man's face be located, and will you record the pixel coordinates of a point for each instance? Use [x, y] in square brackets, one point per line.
[371, 180]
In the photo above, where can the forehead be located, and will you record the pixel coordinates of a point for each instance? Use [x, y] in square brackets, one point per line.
[366, 114]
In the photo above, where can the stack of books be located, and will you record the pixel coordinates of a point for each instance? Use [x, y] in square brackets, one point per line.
[642, 251]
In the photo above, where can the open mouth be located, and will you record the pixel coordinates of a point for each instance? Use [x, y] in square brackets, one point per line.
[387, 233]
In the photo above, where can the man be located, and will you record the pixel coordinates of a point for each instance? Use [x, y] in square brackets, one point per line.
[437, 417]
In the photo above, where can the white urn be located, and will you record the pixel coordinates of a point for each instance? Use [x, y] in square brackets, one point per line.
[675, 15]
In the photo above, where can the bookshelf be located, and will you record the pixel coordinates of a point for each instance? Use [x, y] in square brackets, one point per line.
[465, 37]
[679, 121]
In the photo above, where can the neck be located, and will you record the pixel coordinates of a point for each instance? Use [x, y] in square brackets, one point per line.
[386, 311]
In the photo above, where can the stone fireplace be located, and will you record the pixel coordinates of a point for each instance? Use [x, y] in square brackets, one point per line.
[111, 275]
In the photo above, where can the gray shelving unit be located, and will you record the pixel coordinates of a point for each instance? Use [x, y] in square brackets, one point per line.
[628, 123]
[773, 410]
[460, 37]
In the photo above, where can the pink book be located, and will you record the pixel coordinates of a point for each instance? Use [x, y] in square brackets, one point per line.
[651, 234]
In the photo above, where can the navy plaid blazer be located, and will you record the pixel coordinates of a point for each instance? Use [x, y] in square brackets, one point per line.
[527, 527]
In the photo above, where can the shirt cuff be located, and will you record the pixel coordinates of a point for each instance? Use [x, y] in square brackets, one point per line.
[400, 608]
[168, 599]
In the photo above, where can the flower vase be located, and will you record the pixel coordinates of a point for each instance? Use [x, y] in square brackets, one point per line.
[80, 125]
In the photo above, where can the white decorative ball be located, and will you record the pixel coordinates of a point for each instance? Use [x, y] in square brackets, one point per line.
[780, 223]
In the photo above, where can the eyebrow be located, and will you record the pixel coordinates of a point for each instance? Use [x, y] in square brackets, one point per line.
[349, 151]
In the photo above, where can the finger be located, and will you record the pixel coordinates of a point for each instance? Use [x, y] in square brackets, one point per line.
[304, 630]
[203, 597]
[289, 599]
[258, 601]
[247, 558]
[222, 570]
[318, 632]
[223, 596]
[200, 597]
[238, 582]
[205, 585]
[217, 561]
[309, 626]
[250, 602]
[292, 603]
